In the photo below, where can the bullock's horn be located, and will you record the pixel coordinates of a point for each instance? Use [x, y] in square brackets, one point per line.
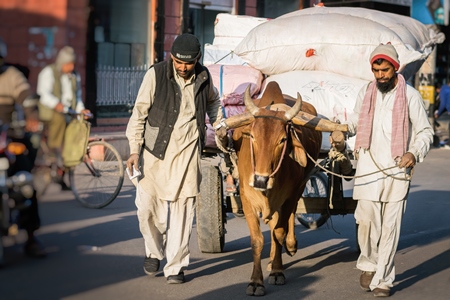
[317, 123]
[295, 109]
[246, 117]
[252, 108]
[239, 120]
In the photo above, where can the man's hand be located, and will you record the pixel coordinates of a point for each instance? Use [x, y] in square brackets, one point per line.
[86, 114]
[133, 161]
[436, 114]
[337, 140]
[59, 108]
[408, 160]
[221, 133]
[32, 125]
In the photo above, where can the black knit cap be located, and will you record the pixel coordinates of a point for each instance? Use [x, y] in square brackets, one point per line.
[186, 47]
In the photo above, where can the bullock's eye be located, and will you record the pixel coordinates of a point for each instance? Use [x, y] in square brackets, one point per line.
[282, 140]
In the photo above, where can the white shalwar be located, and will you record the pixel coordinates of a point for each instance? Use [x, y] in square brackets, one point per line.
[382, 198]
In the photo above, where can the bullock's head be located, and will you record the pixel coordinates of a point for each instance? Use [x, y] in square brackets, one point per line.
[269, 136]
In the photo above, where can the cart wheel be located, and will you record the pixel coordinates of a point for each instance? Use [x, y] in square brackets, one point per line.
[317, 186]
[210, 213]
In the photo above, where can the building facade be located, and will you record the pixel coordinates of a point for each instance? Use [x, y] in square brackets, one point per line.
[117, 40]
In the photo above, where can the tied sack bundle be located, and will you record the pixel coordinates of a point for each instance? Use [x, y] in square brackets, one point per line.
[337, 40]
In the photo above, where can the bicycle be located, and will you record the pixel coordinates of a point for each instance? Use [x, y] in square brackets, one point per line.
[98, 178]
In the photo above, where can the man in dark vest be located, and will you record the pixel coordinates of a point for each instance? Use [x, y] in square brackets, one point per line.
[59, 88]
[166, 134]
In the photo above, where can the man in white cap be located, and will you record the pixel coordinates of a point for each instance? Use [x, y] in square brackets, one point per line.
[394, 134]
[59, 88]
[166, 134]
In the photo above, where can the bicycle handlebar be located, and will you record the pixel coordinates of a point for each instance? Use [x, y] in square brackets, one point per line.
[73, 112]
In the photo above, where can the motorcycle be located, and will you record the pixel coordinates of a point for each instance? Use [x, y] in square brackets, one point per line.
[16, 186]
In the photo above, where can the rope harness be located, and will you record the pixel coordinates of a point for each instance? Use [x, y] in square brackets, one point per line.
[406, 178]
[288, 126]
[233, 157]
[337, 157]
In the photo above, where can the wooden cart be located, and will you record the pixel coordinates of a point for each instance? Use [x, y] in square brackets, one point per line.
[323, 197]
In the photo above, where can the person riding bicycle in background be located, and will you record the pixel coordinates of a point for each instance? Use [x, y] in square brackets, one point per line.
[15, 92]
[59, 88]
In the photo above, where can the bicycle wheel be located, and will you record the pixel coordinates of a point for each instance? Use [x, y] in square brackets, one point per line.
[97, 181]
[317, 186]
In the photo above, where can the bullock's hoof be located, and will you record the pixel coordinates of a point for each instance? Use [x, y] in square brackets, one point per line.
[255, 289]
[277, 278]
[290, 250]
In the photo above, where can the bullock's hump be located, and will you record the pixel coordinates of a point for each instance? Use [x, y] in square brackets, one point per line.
[272, 94]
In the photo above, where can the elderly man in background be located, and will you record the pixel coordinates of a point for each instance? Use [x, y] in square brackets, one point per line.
[59, 88]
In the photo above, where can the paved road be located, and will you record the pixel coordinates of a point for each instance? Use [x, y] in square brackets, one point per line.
[98, 254]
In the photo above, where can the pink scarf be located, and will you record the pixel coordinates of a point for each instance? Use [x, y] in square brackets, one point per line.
[400, 119]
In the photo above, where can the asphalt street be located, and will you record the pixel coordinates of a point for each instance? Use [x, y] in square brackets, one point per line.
[98, 253]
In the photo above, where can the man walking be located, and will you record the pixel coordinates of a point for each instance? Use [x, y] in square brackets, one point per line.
[393, 135]
[166, 133]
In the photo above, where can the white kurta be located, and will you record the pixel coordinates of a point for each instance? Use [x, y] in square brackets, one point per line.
[178, 174]
[46, 80]
[382, 198]
[378, 186]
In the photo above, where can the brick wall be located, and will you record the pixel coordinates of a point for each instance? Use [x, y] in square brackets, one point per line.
[172, 25]
[35, 30]
[250, 8]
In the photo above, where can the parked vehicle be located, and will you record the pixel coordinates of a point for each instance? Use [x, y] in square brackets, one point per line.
[16, 187]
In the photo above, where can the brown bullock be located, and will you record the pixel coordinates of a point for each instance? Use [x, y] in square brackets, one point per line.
[273, 166]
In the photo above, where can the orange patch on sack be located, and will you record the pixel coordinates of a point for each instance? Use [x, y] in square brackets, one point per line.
[310, 52]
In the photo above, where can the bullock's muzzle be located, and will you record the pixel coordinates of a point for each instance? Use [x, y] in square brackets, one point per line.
[260, 182]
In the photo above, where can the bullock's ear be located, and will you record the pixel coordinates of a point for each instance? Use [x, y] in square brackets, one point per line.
[239, 132]
[245, 131]
[298, 152]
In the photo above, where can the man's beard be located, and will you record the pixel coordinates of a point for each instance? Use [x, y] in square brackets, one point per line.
[385, 87]
[187, 75]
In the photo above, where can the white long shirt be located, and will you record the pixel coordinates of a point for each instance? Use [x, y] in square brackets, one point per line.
[178, 175]
[379, 187]
[45, 83]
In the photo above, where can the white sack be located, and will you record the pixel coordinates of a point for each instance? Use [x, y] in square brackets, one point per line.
[340, 39]
[231, 29]
[221, 54]
[333, 95]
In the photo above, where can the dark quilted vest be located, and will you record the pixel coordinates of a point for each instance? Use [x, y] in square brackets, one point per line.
[166, 105]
